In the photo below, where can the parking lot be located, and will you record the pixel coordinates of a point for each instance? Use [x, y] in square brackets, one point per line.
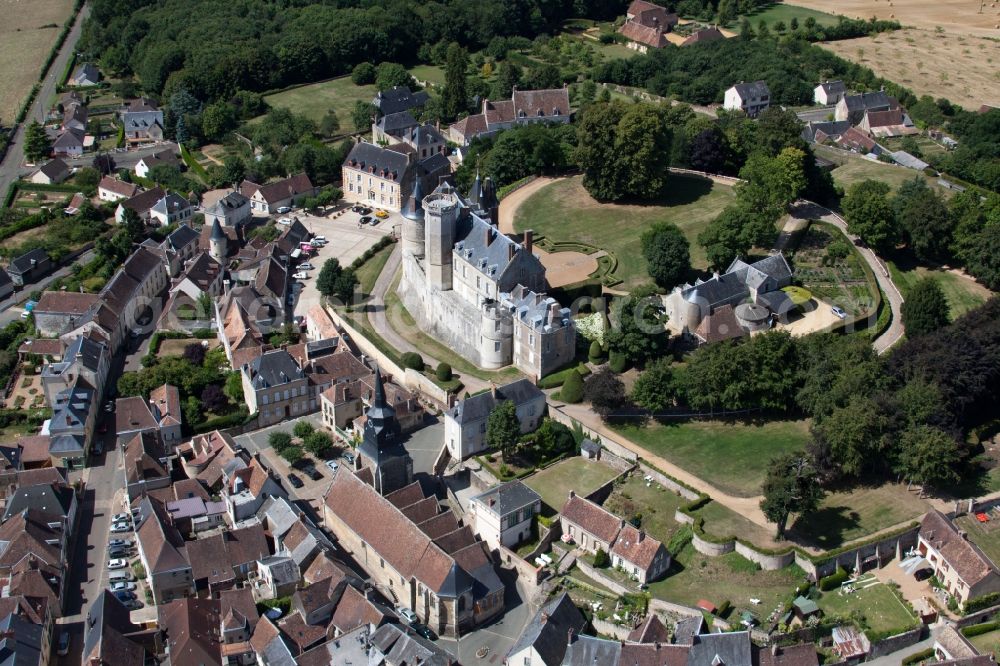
[347, 239]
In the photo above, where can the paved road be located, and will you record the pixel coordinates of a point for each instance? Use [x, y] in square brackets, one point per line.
[10, 168]
[819, 114]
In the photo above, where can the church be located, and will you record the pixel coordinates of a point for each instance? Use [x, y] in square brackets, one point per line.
[381, 449]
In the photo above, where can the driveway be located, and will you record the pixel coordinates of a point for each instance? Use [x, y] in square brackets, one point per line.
[346, 239]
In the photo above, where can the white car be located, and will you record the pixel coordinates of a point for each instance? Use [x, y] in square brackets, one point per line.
[332, 465]
[284, 209]
[121, 527]
[406, 614]
[121, 586]
[284, 220]
[300, 275]
[839, 312]
[117, 563]
[306, 266]
[121, 518]
[321, 239]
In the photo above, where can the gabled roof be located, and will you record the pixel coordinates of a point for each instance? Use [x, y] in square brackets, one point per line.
[142, 202]
[355, 610]
[479, 406]
[383, 162]
[398, 98]
[869, 100]
[652, 630]
[753, 89]
[970, 563]
[507, 497]
[70, 138]
[171, 203]
[399, 646]
[191, 631]
[643, 34]
[396, 122]
[548, 630]
[593, 518]
[833, 87]
[142, 458]
[27, 261]
[236, 604]
[278, 190]
[165, 403]
[87, 72]
[179, 239]
[65, 302]
[721, 649]
[635, 546]
[160, 542]
[274, 368]
[710, 34]
[47, 499]
[55, 169]
[587, 651]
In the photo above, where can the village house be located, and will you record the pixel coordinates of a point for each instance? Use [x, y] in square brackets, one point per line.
[646, 26]
[29, 267]
[523, 108]
[84, 360]
[353, 391]
[170, 209]
[590, 526]
[75, 118]
[142, 120]
[86, 74]
[52, 172]
[319, 325]
[113, 189]
[275, 388]
[465, 423]
[163, 553]
[167, 157]
[142, 203]
[750, 98]
[829, 92]
[57, 311]
[146, 465]
[852, 108]
[180, 246]
[231, 210]
[398, 99]
[505, 514]
[161, 414]
[544, 639]
[246, 489]
[709, 34]
[639, 555]
[6, 284]
[69, 143]
[286, 193]
[962, 568]
[110, 636]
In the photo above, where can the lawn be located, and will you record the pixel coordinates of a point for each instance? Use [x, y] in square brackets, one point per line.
[656, 504]
[732, 456]
[693, 576]
[369, 271]
[316, 99]
[846, 515]
[988, 642]
[882, 610]
[175, 347]
[430, 73]
[564, 211]
[28, 34]
[721, 523]
[583, 476]
[963, 294]
[782, 12]
[984, 535]
[855, 168]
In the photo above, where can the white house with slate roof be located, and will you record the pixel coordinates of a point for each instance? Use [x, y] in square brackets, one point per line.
[465, 423]
[829, 92]
[751, 98]
[385, 176]
[275, 388]
[230, 211]
[504, 515]
[544, 640]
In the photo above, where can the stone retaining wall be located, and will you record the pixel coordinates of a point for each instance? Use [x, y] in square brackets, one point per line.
[526, 571]
[605, 628]
[893, 643]
[672, 608]
[595, 574]
[711, 548]
[667, 482]
[767, 562]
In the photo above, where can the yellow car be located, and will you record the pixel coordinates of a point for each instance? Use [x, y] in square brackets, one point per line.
[381, 214]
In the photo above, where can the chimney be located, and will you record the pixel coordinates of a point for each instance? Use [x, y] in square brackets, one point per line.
[569, 637]
[642, 535]
[529, 239]
[489, 236]
[572, 493]
[774, 649]
[511, 249]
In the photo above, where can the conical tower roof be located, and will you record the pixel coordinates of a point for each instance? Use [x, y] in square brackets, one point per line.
[414, 209]
[476, 192]
[217, 231]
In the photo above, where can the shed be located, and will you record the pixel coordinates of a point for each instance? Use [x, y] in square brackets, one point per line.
[804, 607]
[706, 606]
[590, 449]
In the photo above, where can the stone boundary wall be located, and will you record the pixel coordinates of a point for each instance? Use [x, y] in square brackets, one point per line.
[601, 494]
[893, 643]
[606, 442]
[976, 618]
[683, 518]
[767, 562]
[672, 608]
[525, 570]
[606, 628]
[667, 482]
[711, 548]
[594, 574]
[420, 383]
[616, 461]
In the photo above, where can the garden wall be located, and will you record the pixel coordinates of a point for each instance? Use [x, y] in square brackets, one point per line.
[606, 442]
[893, 643]
[420, 383]
[600, 495]
[526, 571]
[596, 575]
[672, 608]
[616, 461]
[605, 628]
[712, 548]
[767, 562]
[667, 482]
[976, 618]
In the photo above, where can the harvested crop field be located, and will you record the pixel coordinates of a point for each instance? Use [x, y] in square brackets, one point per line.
[961, 17]
[27, 35]
[963, 68]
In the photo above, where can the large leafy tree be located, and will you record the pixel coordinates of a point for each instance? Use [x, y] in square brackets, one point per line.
[929, 456]
[925, 309]
[709, 151]
[654, 389]
[925, 220]
[605, 392]
[637, 326]
[334, 281]
[390, 75]
[454, 97]
[503, 429]
[36, 142]
[596, 153]
[737, 229]
[667, 254]
[773, 182]
[791, 486]
[870, 214]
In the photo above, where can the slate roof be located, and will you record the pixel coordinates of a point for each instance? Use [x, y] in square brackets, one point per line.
[23, 264]
[86, 72]
[232, 201]
[70, 138]
[735, 280]
[548, 629]
[171, 204]
[142, 120]
[721, 649]
[592, 518]
[478, 407]
[179, 239]
[55, 169]
[398, 646]
[534, 310]
[753, 89]
[85, 352]
[587, 651]
[274, 368]
[384, 162]
[142, 202]
[968, 561]
[833, 87]
[396, 122]
[829, 128]
[105, 642]
[869, 100]
[20, 642]
[48, 499]
[191, 631]
[398, 98]
[280, 190]
[507, 497]
[424, 135]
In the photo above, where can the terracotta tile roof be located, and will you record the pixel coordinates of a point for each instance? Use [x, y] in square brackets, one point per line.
[971, 565]
[119, 187]
[186, 488]
[652, 630]
[315, 595]
[132, 414]
[161, 543]
[280, 190]
[34, 450]
[406, 495]
[337, 367]
[322, 567]
[471, 126]
[39, 583]
[636, 546]
[302, 636]
[142, 458]
[423, 510]
[247, 544]
[28, 533]
[387, 531]
[65, 302]
[456, 540]
[295, 535]
[42, 347]
[884, 118]
[191, 630]
[210, 560]
[325, 328]
[710, 34]
[236, 604]
[854, 138]
[592, 518]
[643, 34]
[355, 610]
[167, 400]
[439, 525]
[32, 477]
[655, 654]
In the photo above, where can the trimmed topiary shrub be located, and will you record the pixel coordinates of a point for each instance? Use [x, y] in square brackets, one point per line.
[413, 361]
[617, 362]
[572, 388]
[596, 354]
[834, 580]
[443, 372]
[601, 559]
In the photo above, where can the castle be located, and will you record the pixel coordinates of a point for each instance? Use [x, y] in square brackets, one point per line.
[476, 290]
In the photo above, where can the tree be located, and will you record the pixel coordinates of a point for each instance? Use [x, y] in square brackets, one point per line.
[234, 387]
[772, 182]
[791, 486]
[132, 226]
[595, 153]
[329, 125]
[572, 389]
[854, 439]
[363, 74]
[709, 151]
[605, 392]
[596, 352]
[336, 282]
[737, 229]
[929, 456]
[318, 443]
[552, 439]
[454, 98]
[234, 170]
[543, 77]
[643, 144]
[217, 120]
[667, 254]
[601, 559]
[870, 215]
[303, 429]
[361, 115]
[88, 178]
[391, 75]
[503, 429]
[654, 389]
[925, 309]
[194, 353]
[104, 163]
[279, 440]
[508, 75]
[925, 219]
[413, 361]
[292, 454]
[214, 399]
[443, 372]
[637, 326]
[36, 142]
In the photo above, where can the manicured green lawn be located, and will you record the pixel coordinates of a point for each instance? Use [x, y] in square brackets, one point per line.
[721, 523]
[693, 576]
[988, 642]
[732, 456]
[578, 474]
[984, 535]
[782, 12]
[316, 99]
[564, 211]
[656, 504]
[963, 294]
[882, 610]
[430, 73]
[369, 271]
[855, 168]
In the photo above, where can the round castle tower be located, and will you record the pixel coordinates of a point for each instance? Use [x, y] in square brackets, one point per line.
[441, 212]
[217, 242]
[496, 349]
[413, 227]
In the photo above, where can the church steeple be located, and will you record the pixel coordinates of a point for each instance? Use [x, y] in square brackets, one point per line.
[381, 426]
[381, 444]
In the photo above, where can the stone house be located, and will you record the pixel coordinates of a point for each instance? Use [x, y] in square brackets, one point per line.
[275, 388]
[639, 555]
[646, 26]
[962, 568]
[142, 203]
[57, 311]
[352, 393]
[163, 554]
[385, 176]
[751, 98]
[398, 99]
[86, 74]
[75, 118]
[161, 414]
[231, 210]
[829, 92]
[84, 360]
[170, 209]
[267, 199]
[69, 143]
[52, 172]
[188, 306]
[246, 489]
[113, 189]
[142, 120]
[279, 575]
[852, 108]
[505, 514]
[544, 338]
[543, 640]
[146, 465]
[523, 108]
[590, 526]
[465, 423]
[29, 267]
[178, 247]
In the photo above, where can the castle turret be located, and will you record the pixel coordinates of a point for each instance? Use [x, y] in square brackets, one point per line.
[441, 211]
[476, 192]
[488, 201]
[497, 337]
[217, 242]
[413, 227]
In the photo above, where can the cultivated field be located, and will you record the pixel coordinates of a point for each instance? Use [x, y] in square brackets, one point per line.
[969, 17]
[314, 100]
[27, 36]
[964, 68]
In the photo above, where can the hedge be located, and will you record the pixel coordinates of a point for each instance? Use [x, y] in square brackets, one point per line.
[977, 629]
[981, 602]
[834, 580]
[918, 657]
[413, 361]
[238, 418]
[382, 243]
[25, 223]
[557, 379]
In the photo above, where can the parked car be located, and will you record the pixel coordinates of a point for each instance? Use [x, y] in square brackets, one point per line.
[407, 615]
[349, 457]
[355, 209]
[423, 630]
[375, 221]
[132, 604]
[121, 527]
[119, 551]
[332, 464]
[119, 542]
[124, 595]
[284, 209]
[295, 481]
[63, 648]
[117, 563]
[301, 275]
[284, 220]
[381, 214]
[365, 211]
[366, 219]
[310, 470]
[839, 312]
[121, 518]
[98, 447]
[306, 266]
[320, 238]
[109, 406]
[122, 586]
